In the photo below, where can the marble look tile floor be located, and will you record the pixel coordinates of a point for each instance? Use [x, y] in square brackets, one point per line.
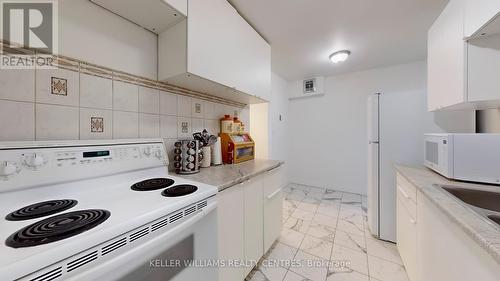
[325, 237]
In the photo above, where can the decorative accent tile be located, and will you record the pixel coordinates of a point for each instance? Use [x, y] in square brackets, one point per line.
[184, 127]
[86, 68]
[197, 108]
[59, 86]
[97, 124]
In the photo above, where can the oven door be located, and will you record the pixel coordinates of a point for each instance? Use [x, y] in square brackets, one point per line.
[180, 253]
[437, 153]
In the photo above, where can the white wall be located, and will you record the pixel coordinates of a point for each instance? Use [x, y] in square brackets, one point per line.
[328, 134]
[278, 107]
[259, 129]
[91, 33]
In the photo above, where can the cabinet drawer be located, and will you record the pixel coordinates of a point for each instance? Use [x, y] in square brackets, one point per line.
[407, 188]
[274, 180]
[407, 202]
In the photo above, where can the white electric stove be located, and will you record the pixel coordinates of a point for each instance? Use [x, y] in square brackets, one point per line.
[102, 210]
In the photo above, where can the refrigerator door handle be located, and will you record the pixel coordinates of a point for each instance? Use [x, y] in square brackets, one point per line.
[373, 142]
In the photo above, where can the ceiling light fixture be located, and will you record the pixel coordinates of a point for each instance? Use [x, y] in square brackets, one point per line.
[339, 56]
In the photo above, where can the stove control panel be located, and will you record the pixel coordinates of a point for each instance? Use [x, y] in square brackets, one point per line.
[45, 165]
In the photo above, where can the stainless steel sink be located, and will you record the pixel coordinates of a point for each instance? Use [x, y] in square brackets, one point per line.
[483, 202]
[480, 198]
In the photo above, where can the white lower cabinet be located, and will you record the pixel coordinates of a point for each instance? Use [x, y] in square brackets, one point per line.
[406, 232]
[253, 222]
[274, 182]
[249, 221]
[433, 247]
[231, 228]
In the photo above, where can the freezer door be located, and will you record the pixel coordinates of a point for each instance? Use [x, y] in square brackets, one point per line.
[373, 189]
[373, 118]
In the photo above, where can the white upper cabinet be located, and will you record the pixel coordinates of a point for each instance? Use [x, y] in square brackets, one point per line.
[179, 5]
[446, 58]
[478, 14]
[216, 51]
[461, 73]
[153, 15]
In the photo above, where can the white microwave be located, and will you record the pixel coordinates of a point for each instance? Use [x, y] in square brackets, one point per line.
[466, 157]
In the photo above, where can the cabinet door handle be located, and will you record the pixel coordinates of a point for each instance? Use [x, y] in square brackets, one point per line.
[403, 192]
[273, 194]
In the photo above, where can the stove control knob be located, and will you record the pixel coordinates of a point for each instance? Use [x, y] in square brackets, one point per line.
[34, 161]
[8, 169]
[147, 151]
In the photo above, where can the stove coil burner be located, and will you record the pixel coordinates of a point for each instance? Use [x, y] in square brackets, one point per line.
[179, 190]
[41, 209]
[152, 184]
[57, 228]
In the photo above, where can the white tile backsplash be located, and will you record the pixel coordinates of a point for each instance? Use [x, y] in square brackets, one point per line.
[212, 126]
[168, 127]
[17, 121]
[125, 125]
[149, 125]
[45, 93]
[55, 122]
[149, 100]
[209, 110]
[17, 84]
[184, 106]
[125, 96]
[197, 124]
[96, 92]
[168, 103]
[86, 115]
[65, 103]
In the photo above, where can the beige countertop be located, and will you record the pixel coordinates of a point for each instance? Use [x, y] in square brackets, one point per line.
[485, 232]
[224, 176]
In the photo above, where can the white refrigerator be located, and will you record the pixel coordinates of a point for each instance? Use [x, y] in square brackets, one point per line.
[396, 123]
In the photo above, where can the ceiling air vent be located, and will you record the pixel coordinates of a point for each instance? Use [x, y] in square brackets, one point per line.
[113, 246]
[72, 265]
[50, 275]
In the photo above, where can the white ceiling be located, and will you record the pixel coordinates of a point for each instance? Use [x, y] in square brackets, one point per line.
[303, 33]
